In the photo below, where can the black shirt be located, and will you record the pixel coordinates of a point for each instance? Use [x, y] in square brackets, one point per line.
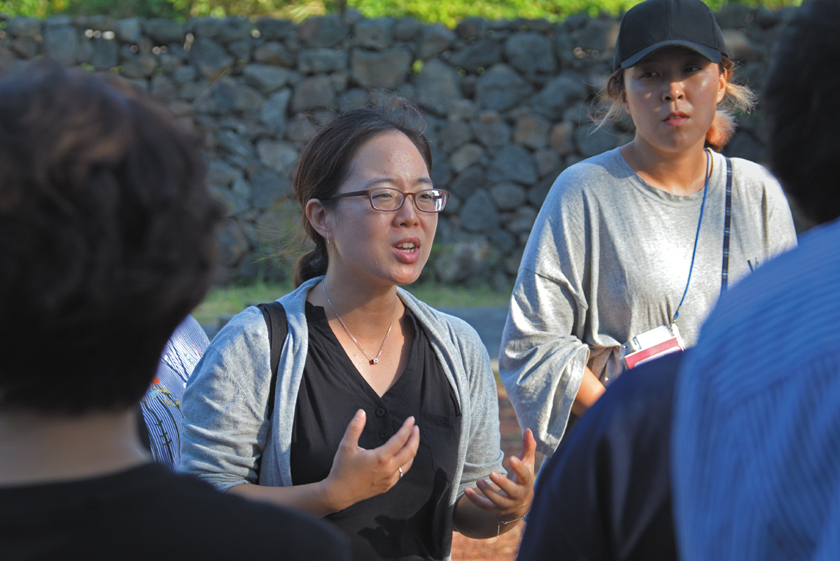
[151, 513]
[407, 522]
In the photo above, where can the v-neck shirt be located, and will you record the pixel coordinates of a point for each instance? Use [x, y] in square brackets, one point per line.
[408, 521]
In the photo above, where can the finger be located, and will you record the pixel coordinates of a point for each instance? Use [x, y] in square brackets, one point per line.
[396, 442]
[522, 468]
[407, 466]
[529, 448]
[521, 473]
[403, 469]
[500, 496]
[354, 430]
[406, 453]
[488, 498]
[481, 501]
[507, 501]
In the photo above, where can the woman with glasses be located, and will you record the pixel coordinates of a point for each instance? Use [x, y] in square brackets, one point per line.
[385, 413]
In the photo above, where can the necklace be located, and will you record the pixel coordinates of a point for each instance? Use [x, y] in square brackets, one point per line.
[374, 360]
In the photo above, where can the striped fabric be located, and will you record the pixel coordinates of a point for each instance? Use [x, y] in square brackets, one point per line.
[756, 436]
[727, 222]
[161, 406]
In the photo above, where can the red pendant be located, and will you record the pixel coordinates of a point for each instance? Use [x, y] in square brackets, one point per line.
[374, 361]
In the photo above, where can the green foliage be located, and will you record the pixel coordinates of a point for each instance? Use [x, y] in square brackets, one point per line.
[33, 8]
[452, 11]
[124, 8]
[448, 13]
[295, 10]
[113, 8]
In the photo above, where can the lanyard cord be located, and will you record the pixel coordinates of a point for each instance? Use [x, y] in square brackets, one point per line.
[696, 237]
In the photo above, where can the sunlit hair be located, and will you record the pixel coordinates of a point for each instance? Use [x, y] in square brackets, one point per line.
[737, 97]
[325, 162]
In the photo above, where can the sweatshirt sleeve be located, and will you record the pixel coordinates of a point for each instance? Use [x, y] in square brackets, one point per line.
[542, 363]
[543, 356]
[225, 405]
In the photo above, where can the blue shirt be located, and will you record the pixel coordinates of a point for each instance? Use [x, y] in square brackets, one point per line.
[756, 436]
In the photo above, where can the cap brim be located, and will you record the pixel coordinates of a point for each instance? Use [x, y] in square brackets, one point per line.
[710, 53]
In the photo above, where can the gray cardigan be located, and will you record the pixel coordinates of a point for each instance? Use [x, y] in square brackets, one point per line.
[229, 435]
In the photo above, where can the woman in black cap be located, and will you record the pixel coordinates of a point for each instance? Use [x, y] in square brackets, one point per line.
[631, 240]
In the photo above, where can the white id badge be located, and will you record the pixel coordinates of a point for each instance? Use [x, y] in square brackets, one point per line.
[652, 344]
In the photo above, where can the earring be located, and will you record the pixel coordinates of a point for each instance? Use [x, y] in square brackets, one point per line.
[328, 239]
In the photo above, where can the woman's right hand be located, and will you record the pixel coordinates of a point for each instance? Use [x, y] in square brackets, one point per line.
[358, 474]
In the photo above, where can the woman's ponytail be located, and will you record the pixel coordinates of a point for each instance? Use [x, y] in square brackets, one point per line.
[738, 97]
[312, 264]
[722, 129]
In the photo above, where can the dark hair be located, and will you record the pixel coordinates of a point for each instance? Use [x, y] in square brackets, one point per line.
[325, 162]
[801, 98]
[106, 239]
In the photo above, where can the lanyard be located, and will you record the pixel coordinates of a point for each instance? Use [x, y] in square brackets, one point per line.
[724, 273]
[697, 236]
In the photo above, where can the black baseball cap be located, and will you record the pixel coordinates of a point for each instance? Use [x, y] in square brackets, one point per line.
[654, 24]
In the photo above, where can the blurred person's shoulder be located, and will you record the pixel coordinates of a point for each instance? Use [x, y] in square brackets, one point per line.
[795, 277]
[152, 512]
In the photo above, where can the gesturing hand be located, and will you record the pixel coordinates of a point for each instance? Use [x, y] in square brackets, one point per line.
[359, 474]
[510, 498]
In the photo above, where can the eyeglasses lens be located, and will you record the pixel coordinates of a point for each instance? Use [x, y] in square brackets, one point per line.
[386, 199]
[430, 200]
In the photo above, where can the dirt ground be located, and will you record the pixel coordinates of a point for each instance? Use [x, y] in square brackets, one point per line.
[505, 547]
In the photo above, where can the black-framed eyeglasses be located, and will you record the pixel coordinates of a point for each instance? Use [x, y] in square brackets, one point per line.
[391, 200]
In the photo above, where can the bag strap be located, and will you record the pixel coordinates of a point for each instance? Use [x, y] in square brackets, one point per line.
[724, 273]
[278, 327]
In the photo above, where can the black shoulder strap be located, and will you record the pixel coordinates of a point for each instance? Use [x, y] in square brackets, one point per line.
[727, 217]
[278, 328]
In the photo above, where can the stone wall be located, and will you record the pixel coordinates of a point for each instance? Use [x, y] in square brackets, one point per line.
[507, 104]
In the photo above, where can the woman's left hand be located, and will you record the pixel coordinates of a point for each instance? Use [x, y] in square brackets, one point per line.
[509, 498]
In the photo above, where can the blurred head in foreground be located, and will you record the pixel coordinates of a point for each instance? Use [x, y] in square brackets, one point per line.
[106, 239]
[800, 99]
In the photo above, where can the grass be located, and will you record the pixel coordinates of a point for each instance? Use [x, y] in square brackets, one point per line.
[233, 299]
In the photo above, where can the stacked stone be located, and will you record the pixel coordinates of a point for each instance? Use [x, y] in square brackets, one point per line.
[508, 106]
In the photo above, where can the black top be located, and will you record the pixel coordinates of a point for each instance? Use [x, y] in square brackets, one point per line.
[605, 494]
[408, 521]
[151, 513]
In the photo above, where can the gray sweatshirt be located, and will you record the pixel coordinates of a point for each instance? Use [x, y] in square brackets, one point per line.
[608, 258]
